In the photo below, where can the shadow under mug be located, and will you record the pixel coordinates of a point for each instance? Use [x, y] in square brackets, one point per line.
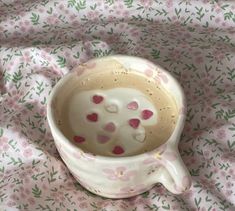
[122, 177]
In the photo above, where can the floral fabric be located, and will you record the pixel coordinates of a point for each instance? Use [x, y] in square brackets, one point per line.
[40, 41]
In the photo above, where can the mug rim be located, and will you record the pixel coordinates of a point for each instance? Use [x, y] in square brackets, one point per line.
[59, 135]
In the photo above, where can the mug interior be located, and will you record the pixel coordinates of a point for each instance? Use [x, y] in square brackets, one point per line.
[60, 94]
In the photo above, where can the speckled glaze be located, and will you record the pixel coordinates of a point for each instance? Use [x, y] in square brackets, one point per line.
[122, 177]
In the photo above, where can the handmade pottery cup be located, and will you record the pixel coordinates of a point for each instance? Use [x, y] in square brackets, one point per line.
[122, 176]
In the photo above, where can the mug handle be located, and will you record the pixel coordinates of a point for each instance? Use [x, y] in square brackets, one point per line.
[174, 175]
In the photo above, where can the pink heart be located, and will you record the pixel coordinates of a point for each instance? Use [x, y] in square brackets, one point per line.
[118, 150]
[110, 127]
[132, 105]
[79, 139]
[134, 123]
[146, 114]
[92, 117]
[102, 139]
[97, 99]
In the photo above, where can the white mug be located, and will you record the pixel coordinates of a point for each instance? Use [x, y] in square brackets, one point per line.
[122, 177]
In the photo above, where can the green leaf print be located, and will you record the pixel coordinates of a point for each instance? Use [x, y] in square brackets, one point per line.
[199, 13]
[1, 132]
[16, 161]
[197, 202]
[61, 61]
[17, 76]
[36, 192]
[52, 175]
[128, 3]
[2, 169]
[110, 2]
[80, 5]
[229, 16]
[34, 18]
[177, 12]
[231, 144]
[155, 54]
[2, 196]
[39, 88]
[7, 76]
[166, 207]
[231, 74]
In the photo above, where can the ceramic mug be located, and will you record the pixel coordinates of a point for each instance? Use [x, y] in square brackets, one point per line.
[122, 177]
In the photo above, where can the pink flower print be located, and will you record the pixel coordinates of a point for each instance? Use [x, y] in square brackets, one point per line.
[217, 20]
[42, 111]
[3, 141]
[93, 15]
[133, 189]
[111, 18]
[14, 197]
[83, 205]
[26, 57]
[120, 173]
[61, 7]
[101, 204]
[188, 194]
[5, 147]
[175, 55]
[72, 17]
[52, 20]
[229, 185]
[228, 193]
[199, 60]
[231, 171]
[217, 8]
[208, 184]
[31, 201]
[169, 3]
[228, 156]
[75, 23]
[146, 3]
[126, 13]
[221, 134]
[28, 153]
[175, 207]
[24, 144]
[160, 189]
[59, 196]
[10, 102]
[11, 203]
[218, 55]
[27, 191]
[80, 155]
[41, 10]
[118, 12]
[215, 170]
[4, 144]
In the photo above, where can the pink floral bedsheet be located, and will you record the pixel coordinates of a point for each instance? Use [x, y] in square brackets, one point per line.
[40, 41]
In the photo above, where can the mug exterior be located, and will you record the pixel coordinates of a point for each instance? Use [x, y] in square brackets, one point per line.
[122, 177]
